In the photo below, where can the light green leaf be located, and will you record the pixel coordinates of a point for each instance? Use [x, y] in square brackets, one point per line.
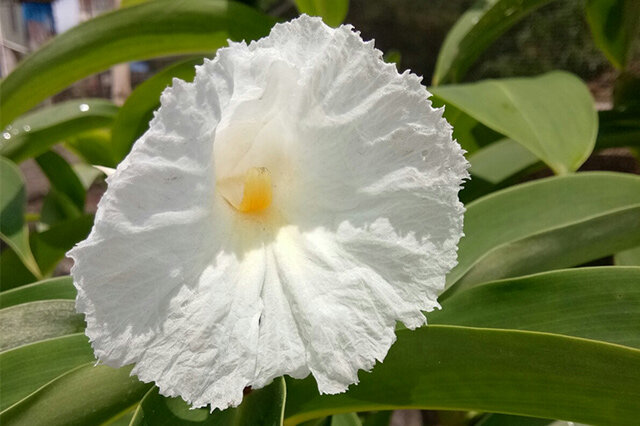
[332, 12]
[13, 229]
[553, 115]
[36, 132]
[147, 30]
[27, 368]
[87, 395]
[546, 224]
[53, 288]
[260, 407]
[49, 247]
[629, 257]
[134, 116]
[31, 322]
[500, 160]
[600, 303]
[508, 371]
[94, 147]
[614, 25]
[86, 173]
[346, 419]
[476, 30]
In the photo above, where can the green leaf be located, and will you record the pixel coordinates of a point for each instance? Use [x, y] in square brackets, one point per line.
[87, 395]
[31, 322]
[347, 419]
[614, 25]
[151, 29]
[53, 288]
[62, 178]
[476, 30]
[508, 371]
[94, 147]
[134, 116]
[38, 131]
[260, 407]
[13, 229]
[529, 228]
[629, 257]
[27, 368]
[500, 160]
[49, 247]
[594, 303]
[508, 420]
[553, 115]
[332, 12]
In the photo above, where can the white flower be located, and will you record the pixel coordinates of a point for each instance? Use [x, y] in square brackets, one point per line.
[280, 215]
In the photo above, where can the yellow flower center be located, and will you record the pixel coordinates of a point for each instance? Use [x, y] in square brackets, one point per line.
[257, 193]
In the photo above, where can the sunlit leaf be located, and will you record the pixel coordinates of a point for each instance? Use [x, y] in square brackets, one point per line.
[476, 30]
[332, 12]
[36, 132]
[30, 322]
[147, 30]
[13, 229]
[553, 115]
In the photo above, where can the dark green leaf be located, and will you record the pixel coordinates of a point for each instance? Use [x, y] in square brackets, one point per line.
[332, 12]
[87, 395]
[36, 132]
[27, 368]
[595, 303]
[13, 229]
[508, 371]
[62, 178]
[34, 321]
[134, 116]
[151, 29]
[553, 115]
[614, 25]
[49, 247]
[260, 407]
[476, 30]
[53, 288]
[547, 224]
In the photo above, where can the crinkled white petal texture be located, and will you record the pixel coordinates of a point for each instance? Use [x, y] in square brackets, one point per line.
[363, 226]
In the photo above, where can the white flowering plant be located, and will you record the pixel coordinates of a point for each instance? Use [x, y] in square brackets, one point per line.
[295, 232]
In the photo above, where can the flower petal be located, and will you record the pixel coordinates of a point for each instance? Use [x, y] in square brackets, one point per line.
[362, 228]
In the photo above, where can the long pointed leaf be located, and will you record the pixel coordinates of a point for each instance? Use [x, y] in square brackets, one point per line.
[543, 210]
[515, 372]
[156, 28]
